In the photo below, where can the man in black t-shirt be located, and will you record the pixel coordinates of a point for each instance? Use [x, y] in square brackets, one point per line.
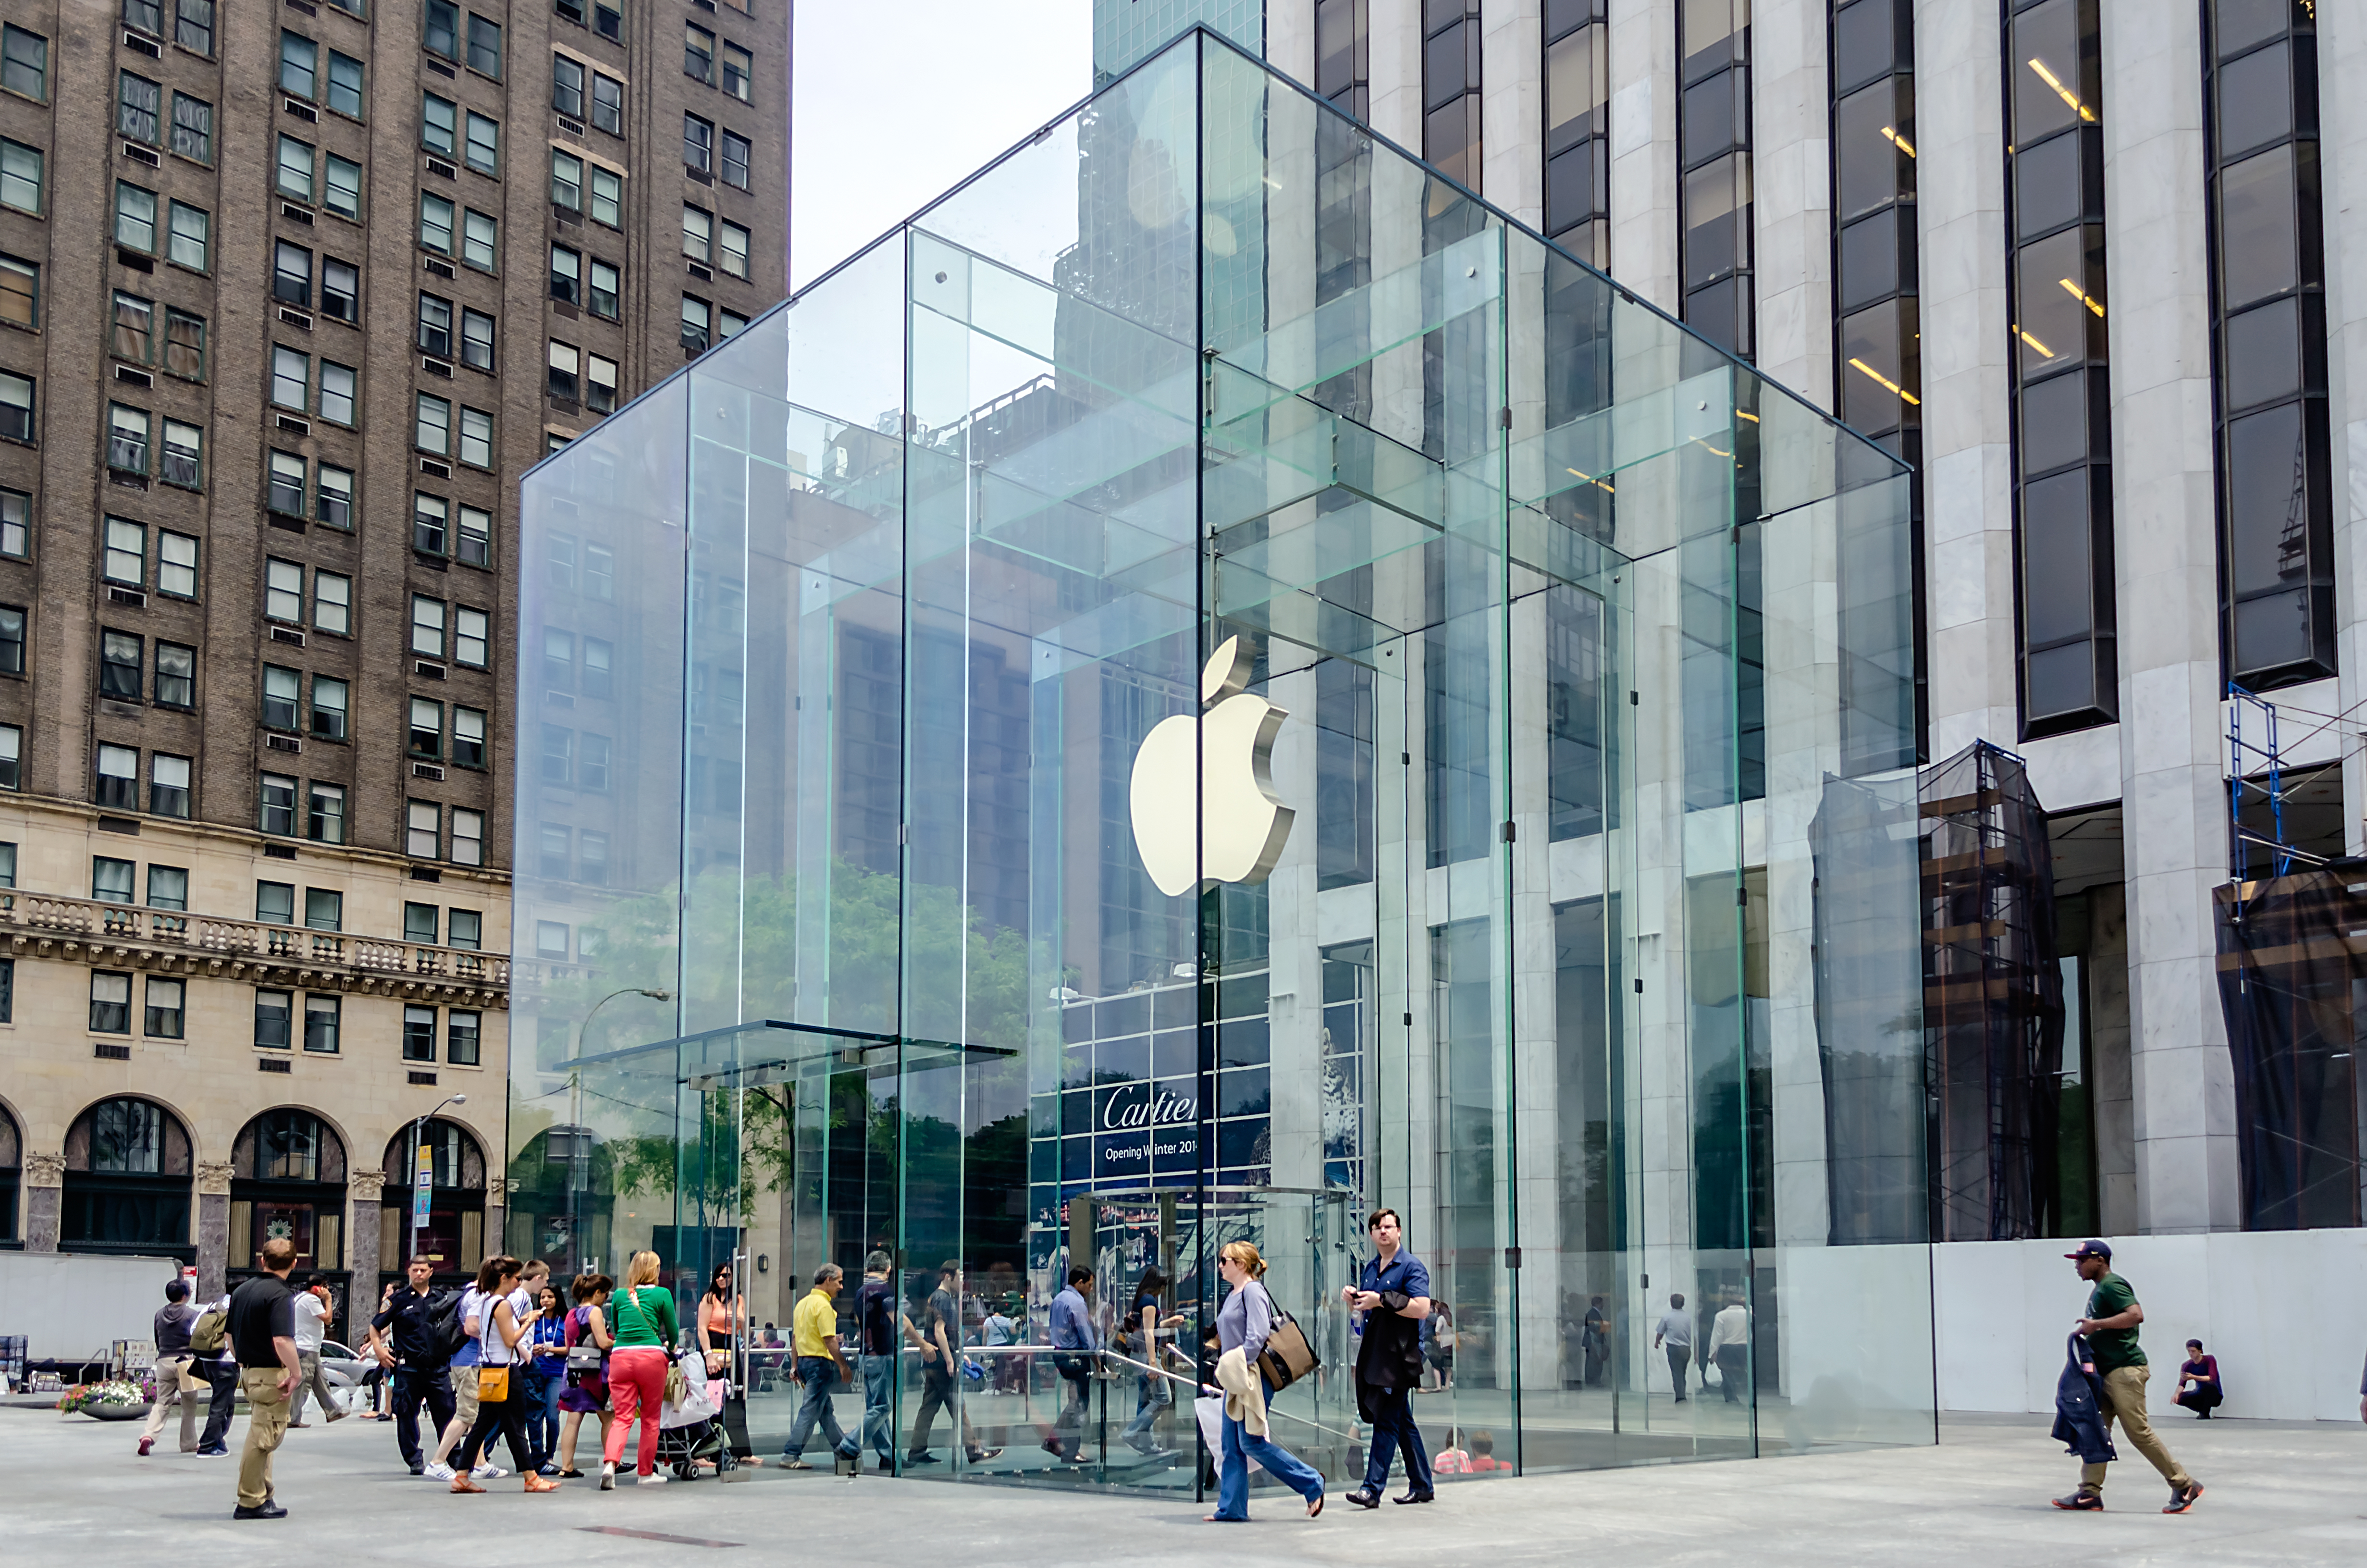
[875, 1320]
[402, 1338]
[263, 1339]
[941, 1332]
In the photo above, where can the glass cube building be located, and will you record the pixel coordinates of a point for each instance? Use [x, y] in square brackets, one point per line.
[1208, 683]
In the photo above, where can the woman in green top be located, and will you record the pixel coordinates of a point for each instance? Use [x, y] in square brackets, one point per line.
[643, 1312]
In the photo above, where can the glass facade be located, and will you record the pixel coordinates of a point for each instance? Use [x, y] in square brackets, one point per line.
[1141, 712]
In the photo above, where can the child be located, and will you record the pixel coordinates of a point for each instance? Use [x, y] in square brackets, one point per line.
[1483, 1454]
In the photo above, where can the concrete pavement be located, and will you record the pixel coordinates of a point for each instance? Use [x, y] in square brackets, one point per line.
[74, 1495]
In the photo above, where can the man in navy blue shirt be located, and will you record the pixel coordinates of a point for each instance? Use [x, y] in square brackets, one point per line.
[1394, 1297]
[1076, 1346]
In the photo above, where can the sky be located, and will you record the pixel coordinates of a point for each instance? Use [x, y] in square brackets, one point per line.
[894, 101]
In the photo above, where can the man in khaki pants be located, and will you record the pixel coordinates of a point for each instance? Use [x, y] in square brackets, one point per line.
[2110, 1330]
[263, 1338]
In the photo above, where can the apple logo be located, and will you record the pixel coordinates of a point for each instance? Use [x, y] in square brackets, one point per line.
[1242, 823]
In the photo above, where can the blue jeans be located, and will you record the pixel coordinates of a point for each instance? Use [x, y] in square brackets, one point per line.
[1233, 1477]
[542, 1412]
[1149, 1402]
[1395, 1427]
[820, 1375]
[878, 1423]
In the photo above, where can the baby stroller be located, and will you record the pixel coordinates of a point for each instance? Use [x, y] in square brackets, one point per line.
[689, 1432]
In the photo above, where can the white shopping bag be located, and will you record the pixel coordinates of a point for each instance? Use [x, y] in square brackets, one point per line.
[1210, 1409]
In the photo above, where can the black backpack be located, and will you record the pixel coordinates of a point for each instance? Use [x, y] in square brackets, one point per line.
[446, 1332]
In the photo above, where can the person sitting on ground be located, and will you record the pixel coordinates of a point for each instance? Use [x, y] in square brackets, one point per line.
[1483, 1454]
[2199, 1388]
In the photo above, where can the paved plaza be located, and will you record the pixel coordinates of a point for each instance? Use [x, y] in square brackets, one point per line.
[75, 1495]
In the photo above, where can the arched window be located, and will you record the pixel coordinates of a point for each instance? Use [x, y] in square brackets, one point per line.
[12, 1160]
[287, 1181]
[560, 1199]
[127, 1181]
[454, 1234]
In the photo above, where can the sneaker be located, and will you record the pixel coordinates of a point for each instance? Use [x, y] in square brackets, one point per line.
[607, 1478]
[437, 1473]
[656, 1478]
[2082, 1502]
[268, 1511]
[217, 1452]
[335, 1415]
[549, 1469]
[2181, 1501]
[146, 1444]
[489, 1472]
[796, 1464]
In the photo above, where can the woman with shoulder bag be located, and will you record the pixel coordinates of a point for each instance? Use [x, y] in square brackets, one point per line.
[588, 1340]
[501, 1392]
[646, 1332]
[1243, 1324]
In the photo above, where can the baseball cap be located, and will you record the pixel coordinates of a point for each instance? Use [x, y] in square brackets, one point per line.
[2092, 1249]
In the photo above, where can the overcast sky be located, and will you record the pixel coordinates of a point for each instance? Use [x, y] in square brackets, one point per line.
[894, 101]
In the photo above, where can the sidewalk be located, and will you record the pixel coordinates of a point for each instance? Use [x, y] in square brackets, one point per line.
[2278, 1492]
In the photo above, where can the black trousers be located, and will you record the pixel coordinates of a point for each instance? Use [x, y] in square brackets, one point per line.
[936, 1394]
[1680, 1356]
[508, 1418]
[412, 1386]
[222, 1382]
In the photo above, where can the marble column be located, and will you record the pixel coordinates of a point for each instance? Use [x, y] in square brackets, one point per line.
[363, 1190]
[213, 1229]
[496, 1214]
[45, 1177]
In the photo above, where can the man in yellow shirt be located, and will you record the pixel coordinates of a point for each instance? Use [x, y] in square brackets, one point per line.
[821, 1366]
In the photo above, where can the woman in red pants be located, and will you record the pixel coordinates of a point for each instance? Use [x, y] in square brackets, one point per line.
[646, 1331]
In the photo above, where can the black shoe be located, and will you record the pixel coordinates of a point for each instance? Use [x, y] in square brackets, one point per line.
[1413, 1496]
[886, 1466]
[2082, 1502]
[268, 1511]
[980, 1456]
[1364, 1497]
[2181, 1501]
[921, 1456]
[419, 1469]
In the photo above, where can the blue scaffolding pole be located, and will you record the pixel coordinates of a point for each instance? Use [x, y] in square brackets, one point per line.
[2281, 854]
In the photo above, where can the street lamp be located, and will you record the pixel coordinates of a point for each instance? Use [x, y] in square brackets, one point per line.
[580, 1153]
[418, 1133]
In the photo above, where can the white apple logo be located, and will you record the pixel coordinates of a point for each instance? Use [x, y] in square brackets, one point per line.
[1242, 823]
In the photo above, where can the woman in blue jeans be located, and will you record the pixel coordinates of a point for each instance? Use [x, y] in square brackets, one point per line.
[1242, 1323]
[546, 1374]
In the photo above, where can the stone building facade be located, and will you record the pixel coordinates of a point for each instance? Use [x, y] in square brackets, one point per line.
[289, 297]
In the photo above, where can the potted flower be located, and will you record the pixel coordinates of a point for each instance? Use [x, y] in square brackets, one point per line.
[115, 1400]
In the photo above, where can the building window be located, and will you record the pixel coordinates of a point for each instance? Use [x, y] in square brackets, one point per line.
[467, 929]
[472, 637]
[112, 881]
[192, 231]
[551, 940]
[697, 317]
[736, 159]
[343, 196]
[480, 240]
[566, 362]
[1450, 78]
[25, 62]
[283, 591]
[12, 641]
[597, 652]
[1714, 158]
[698, 53]
[110, 1003]
[607, 105]
[337, 392]
[728, 325]
[299, 56]
[566, 85]
[2275, 448]
[439, 125]
[734, 258]
[566, 180]
[697, 143]
[602, 295]
[12, 743]
[599, 385]
[608, 18]
[427, 729]
[566, 275]
[333, 597]
[599, 571]
[558, 755]
[607, 197]
[282, 692]
[291, 377]
[328, 708]
[177, 675]
[419, 1034]
[739, 72]
[592, 767]
[476, 440]
[185, 451]
[193, 128]
[20, 178]
[697, 234]
[167, 1001]
[277, 797]
[16, 524]
[274, 903]
[168, 887]
[484, 152]
[120, 666]
[341, 291]
[168, 785]
[460, 1032]
[324, 909]
[295, 162]
[324, 814]
[443, 29]
[133, 333]
[426, 626]
[15, 406]
[1578, 129]
[419, 922]
[291, 275]
[484, 46]
[2055, 304]
[135, 218]
[344, 85]
[127, 440]
[322, 1020]
[194, 25]
[467, 838]
[20, 293]
[118, 778]
[431, 425]
[271, 1020]
[469, 737]
[423, 830]
[435, 224]
[430, 516]
[139, 104]
[476, 533]
[334, 497]
[476, 340]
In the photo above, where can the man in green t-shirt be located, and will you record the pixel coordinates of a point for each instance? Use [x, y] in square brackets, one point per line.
[2110, 1328]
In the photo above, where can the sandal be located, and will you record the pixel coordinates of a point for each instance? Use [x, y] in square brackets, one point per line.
[1314, 1505]
[540, 1484]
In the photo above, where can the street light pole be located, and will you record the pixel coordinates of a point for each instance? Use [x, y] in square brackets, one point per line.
[418, 1133]
[580, 1154]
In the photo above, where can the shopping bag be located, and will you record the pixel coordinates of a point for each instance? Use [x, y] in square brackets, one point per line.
[1210, 1410]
